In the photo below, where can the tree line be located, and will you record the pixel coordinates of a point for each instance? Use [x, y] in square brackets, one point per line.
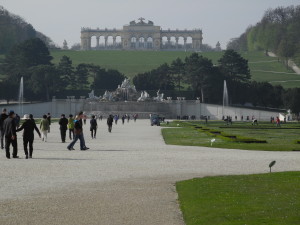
[42, 79]
[197, 74]
[278, 31]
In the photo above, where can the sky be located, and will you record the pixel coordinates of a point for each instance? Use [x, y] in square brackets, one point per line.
[220, 20]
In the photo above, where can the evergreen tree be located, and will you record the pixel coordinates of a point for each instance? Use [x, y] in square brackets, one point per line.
[66, 72]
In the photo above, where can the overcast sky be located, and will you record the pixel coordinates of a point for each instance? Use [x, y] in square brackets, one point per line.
[220, 20]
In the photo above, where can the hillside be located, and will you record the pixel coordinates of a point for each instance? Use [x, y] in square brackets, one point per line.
[263, 68]
[278, 31]
[14, 29]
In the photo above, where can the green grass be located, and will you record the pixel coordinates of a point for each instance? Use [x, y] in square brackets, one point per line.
[278, 139]
[133, 62]
[234, 200]
[128, 62]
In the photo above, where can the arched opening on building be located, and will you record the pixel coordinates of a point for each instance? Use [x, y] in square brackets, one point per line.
[189, 43]
[118, 42]
[149, 43]
[164, 42]
[180, 43]
[93, 42]
[110, 42]
[172, 43]
[141, 42]
[101, 42]
[133, 42]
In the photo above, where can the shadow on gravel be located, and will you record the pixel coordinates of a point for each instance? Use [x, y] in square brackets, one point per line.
[110, 150]
[64, 159]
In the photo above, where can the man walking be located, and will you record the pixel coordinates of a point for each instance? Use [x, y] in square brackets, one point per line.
[93, 127]
[28, 136]
[63, 123]
[3, 116]
[9, 129]
[110, 121]
[78, 134]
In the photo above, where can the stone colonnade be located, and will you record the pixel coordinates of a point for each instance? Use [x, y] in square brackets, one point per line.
[142, 36]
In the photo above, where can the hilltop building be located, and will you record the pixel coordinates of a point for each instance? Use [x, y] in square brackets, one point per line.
[141, 36]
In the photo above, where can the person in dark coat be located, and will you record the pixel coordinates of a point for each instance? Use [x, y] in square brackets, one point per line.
[78, 134]
[93, 127]
[63, 123]
[28, 135]
[110, 121]
[9, 130]
[3, 116]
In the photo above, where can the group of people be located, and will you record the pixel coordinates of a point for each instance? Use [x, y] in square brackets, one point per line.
[9, 126]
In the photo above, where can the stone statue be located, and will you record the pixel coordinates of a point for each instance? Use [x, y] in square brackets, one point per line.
[92, 96]
[159, 97]
[107, 96]
[144, 96]
[132, 22]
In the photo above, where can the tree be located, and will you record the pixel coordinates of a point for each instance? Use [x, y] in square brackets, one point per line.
[291, 100]
[30, 53]
[81, 76]
[159, 78]
[107, 79]
[286, 49]
[234, 67]
[66, 72]
[198, 69]
[177, 71]
[45, 80]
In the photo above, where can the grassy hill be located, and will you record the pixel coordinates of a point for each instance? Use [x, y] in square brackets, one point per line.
[263, 68]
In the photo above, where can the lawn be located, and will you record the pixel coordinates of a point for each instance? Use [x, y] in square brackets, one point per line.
[234, 200]
[236, 136]
[133, 62]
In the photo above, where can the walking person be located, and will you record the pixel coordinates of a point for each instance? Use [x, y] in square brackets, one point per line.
[128, 118]
[49, 121]
[71, 127]
[277, 122]
[3, 116]
[17, 119]
[84, 119]
[63, 126]
[78, 134]
[94, 126]
[44, 126]
[28, 135]
[9, 129]
[123, 119]
[110, 121]
[116, 118]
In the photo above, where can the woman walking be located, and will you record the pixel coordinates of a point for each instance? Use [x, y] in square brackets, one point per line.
[44, 126]
[71, 127]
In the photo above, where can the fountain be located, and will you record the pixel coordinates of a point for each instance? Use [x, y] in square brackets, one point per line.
[225, 98]
[21, 96]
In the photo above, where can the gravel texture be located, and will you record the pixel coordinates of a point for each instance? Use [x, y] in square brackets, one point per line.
[126, 177]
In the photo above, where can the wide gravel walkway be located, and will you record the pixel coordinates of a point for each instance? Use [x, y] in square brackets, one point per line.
[127, 177]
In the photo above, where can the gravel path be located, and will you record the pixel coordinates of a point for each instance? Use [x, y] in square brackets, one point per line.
[127, 177]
